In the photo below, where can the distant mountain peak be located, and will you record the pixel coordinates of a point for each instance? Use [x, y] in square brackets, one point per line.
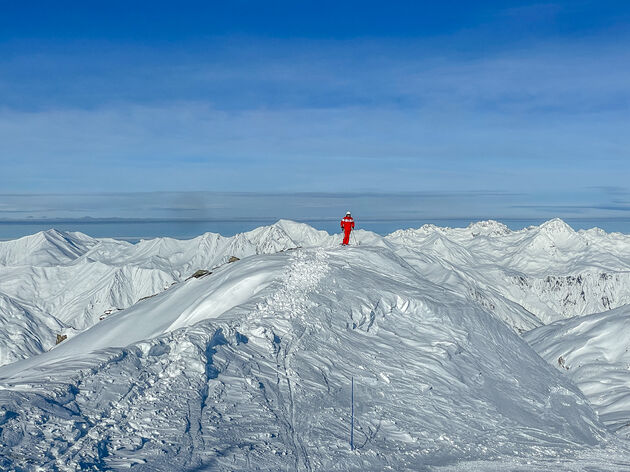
[50, 247]
[489, 228]
[556, 226]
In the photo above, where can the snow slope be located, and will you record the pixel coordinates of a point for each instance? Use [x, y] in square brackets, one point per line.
[593, 352]
[250, 368]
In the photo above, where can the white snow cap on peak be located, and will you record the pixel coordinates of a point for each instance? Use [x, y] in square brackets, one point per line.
[489, 228]
[556, 225]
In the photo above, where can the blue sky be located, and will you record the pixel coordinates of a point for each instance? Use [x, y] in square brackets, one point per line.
[454, 109]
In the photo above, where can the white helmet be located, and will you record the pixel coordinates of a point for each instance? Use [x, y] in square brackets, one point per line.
[347, 213]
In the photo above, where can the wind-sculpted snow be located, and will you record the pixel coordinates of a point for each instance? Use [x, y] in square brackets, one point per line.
[263, 382]
[593, 351]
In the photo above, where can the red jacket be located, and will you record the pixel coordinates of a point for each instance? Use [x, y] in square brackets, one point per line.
[347, 224]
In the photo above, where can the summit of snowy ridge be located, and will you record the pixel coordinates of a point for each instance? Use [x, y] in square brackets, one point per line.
[248, 365]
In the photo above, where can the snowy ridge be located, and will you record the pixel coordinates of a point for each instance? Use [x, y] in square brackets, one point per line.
[526, 278]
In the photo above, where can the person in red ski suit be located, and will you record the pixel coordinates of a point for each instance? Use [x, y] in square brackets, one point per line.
[347, 225]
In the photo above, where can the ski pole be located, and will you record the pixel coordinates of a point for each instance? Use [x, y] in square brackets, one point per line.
[352, 418]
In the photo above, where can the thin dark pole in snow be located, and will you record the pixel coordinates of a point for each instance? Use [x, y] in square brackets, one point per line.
[352, 419]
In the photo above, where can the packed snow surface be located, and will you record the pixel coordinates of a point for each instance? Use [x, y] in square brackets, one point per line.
[247, 365]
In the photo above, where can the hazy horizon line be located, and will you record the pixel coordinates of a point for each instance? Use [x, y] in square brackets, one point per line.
[262, 219]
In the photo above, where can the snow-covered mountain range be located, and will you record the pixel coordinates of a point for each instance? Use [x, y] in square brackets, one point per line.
[171, 357]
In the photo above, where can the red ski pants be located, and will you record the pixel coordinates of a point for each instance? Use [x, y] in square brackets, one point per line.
[346, 236]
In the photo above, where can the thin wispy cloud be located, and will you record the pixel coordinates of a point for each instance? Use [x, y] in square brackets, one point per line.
[417, 206]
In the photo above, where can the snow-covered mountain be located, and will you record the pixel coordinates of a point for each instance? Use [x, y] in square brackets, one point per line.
[248, 364]
[74, 281]
[46, 248]
[551, 271]
[593, 352]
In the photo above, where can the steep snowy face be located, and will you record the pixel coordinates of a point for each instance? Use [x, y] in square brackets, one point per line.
[551, 247]
[475, 284]
[554, 297]
[250, 367]
[81, 293]
[25, 330]
[594, 353]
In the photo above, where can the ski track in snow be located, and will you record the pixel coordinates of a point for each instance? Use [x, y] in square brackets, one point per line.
[442, 382]
[303, 275]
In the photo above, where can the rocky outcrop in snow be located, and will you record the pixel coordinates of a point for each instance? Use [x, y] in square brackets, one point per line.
[554, 296]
